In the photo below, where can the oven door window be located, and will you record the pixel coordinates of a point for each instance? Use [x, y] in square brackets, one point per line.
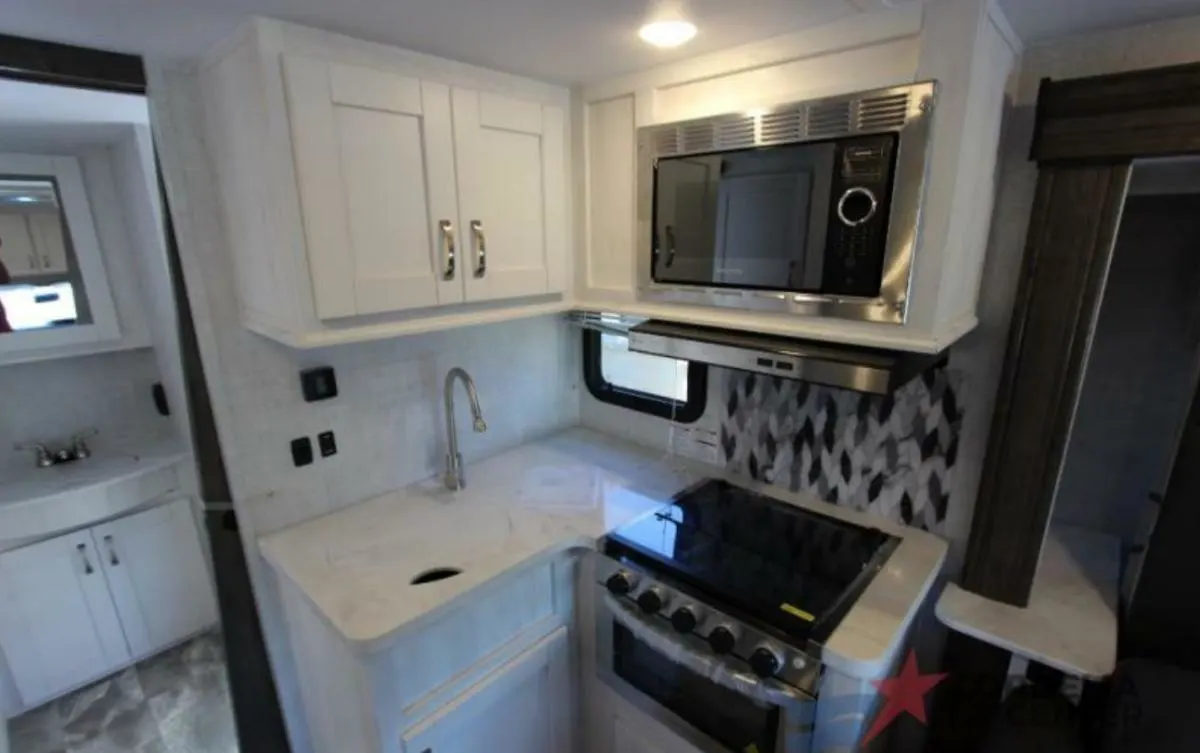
[752, 219]
[727, 717]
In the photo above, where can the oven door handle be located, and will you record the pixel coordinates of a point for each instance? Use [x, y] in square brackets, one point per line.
[712, 668]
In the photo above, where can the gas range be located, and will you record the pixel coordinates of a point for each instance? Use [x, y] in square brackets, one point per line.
[744, 577]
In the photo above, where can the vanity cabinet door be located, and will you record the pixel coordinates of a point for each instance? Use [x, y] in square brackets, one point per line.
[374, 160]
[522, 707]
[58, 627]
[16, 246]
[158, 575]
[512, 195]
[48, 244]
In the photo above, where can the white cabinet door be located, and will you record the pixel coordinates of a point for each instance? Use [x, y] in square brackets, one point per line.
[522, 707]
[16, 246]
[47, 232]
[158, 576]
[58, 627]
[512, 195]
[374, 161]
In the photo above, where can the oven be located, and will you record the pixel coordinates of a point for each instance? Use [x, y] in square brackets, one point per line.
[716, 703]
[808, 208]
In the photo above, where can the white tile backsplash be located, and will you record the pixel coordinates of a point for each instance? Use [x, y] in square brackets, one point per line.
[50, 400]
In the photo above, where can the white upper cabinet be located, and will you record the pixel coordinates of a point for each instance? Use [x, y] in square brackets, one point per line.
[375, 169]
[510, 178]
[16, 245]
[48, 243]
[371, 192]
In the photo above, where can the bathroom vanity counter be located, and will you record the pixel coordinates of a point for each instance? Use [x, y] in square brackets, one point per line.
[36, 502]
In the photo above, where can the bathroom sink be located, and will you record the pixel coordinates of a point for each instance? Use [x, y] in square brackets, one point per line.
[41, 501]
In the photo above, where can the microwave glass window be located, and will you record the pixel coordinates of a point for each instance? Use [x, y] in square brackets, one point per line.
[731, 719]
[752, 219]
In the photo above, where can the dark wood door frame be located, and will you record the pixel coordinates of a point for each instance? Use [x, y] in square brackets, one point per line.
[1088, 132]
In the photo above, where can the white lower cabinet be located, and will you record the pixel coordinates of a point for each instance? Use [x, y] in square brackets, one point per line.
[58, 624]
[77, 607]
[522, 707]
[157, 575]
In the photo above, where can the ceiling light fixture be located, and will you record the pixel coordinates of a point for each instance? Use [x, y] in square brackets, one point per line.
[667, 25]
[25, 199]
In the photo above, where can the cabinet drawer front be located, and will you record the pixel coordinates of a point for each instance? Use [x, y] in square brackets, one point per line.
[522, 707]
[441, 652]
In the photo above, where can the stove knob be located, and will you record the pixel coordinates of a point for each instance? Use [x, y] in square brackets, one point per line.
[722, 639]
[652, 600]
[620, 583]
[765, 662]
[684, 619]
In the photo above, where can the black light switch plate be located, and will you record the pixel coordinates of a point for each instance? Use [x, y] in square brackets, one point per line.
[318, 384]
[302, 451]
[327, 443]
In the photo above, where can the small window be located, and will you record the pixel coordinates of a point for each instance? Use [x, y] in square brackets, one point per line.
[664, 387]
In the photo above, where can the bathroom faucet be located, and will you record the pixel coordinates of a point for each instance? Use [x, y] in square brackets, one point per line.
[455, 477]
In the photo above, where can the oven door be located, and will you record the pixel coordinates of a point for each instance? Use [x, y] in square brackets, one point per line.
[712, 702]
[748, 219]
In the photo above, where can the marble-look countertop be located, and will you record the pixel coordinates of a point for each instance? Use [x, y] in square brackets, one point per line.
[1071, 621]
[41, 501]
[547, 496]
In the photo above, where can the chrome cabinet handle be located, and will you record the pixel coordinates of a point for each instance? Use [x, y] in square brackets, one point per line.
[112, 551]
[46, 261]
[480, 248]
[448, 244]
[33, 262]
[87, 564]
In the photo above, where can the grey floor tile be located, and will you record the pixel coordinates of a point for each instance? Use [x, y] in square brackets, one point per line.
[88, 713]
[177, 702]
[163, 673]
[37, 731]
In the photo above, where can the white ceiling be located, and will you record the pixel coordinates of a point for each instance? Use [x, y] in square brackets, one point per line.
[1038, 20]
[555, 40]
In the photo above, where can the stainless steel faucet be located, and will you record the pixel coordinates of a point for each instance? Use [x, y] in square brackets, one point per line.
[455, 476]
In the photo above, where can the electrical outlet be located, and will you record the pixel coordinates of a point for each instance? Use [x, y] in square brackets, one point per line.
[697, 444]
[302, 451]
[327, 443]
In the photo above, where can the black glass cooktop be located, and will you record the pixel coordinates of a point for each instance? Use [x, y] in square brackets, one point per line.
[794, 570]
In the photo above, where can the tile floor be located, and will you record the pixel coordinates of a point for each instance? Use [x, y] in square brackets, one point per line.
[176, 702]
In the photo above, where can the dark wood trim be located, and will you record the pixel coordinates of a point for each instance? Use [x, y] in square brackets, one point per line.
[66, 65]
[966, 702]
[1119, 117]
[1071, 235]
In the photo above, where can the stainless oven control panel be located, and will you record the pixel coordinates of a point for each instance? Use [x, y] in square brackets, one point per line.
[727, 636]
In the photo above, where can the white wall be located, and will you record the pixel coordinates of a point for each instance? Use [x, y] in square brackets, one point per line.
[388, 415]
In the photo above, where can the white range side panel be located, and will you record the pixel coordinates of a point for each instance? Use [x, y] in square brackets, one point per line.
[236, 110]
[995, 59]
[58, 627]
[610, 214]
[963, 49]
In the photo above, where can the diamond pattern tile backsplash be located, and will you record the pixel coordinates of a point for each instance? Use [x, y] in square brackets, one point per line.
[892, 456]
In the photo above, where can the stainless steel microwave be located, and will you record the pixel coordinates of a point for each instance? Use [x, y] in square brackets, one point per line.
[809, 208]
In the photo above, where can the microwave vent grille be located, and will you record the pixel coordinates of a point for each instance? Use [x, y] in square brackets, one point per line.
[870, 112]
[882, 113]
[829, 120]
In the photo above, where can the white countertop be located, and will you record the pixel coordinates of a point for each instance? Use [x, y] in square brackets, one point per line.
[566, 491]
[40, 501]
[1071, 621]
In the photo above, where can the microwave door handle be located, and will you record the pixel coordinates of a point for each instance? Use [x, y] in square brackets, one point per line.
[712, 668]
